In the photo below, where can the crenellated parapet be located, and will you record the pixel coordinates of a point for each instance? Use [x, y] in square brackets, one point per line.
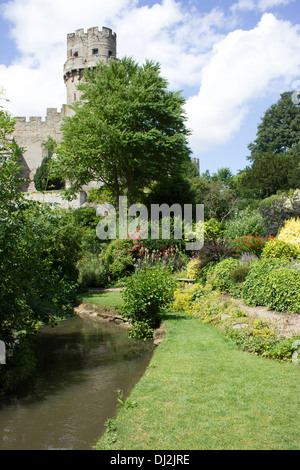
[53, 116]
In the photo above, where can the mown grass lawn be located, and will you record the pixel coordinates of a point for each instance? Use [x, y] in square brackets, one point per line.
[201, 392]
[108, 298]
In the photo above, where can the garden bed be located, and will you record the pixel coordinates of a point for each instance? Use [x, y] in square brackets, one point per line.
[286, 324]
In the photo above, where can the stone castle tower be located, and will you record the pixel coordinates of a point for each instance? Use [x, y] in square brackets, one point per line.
[84, 50]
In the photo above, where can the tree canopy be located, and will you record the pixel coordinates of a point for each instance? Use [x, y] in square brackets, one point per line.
[127, 132]
[275, 153]
[279, 130]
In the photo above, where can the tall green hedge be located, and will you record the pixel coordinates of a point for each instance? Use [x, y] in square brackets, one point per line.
[275, 284]
[42, 179]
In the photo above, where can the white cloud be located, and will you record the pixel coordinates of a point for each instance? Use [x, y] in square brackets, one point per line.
[180, 40]
[243, 5]
[34, 81]
[244, 65]
[265, 5]
[261, 5]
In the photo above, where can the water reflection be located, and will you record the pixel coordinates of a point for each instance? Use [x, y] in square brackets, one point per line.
[81, 365]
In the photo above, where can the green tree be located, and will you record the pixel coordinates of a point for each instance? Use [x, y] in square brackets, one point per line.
[44, 179]
[279, 129]
[127, 131]
[275, 154]
[175, 188]
[271, 173]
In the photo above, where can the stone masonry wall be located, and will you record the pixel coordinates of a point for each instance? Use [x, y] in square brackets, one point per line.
[31, 134]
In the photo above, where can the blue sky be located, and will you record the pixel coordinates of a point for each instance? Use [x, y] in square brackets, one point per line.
[230, 58]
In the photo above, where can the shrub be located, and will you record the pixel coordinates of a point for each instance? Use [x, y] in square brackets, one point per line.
[120, 257]
[253, 288]
[294, 265]
[184, 298]
[85, 216]
[43, 181]
[281, 291]
[245, 222]
[290, 232]
[213, 251]
[219, 276]
[259, 338]
[193, 269]
[239, 273]
[276, 209]
[280, 249]
[206, 305]
[91, 272]
[213, 229]
[148, 292]
[256, 336]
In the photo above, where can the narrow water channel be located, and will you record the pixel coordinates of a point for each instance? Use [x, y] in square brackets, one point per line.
[81, 365]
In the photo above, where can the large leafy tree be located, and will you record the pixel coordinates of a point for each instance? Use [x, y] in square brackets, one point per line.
[127, 132]
[279, 130]
[275, 153]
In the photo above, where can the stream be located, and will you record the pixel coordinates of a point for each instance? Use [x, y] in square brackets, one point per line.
[81, 365]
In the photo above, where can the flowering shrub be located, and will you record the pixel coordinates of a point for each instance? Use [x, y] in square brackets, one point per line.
[120, 256]
[250, 244]
[170, 257]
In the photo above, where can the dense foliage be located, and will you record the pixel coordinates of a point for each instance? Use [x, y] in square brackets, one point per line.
[148, 292]
[44, 179]
[39, 249]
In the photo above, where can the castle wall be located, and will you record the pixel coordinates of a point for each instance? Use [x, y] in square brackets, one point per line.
[31, 134]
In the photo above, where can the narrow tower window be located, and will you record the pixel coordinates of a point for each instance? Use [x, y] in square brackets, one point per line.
[95, 51]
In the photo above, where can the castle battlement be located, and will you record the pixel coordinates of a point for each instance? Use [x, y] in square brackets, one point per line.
[91, 31]
[52, 114]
